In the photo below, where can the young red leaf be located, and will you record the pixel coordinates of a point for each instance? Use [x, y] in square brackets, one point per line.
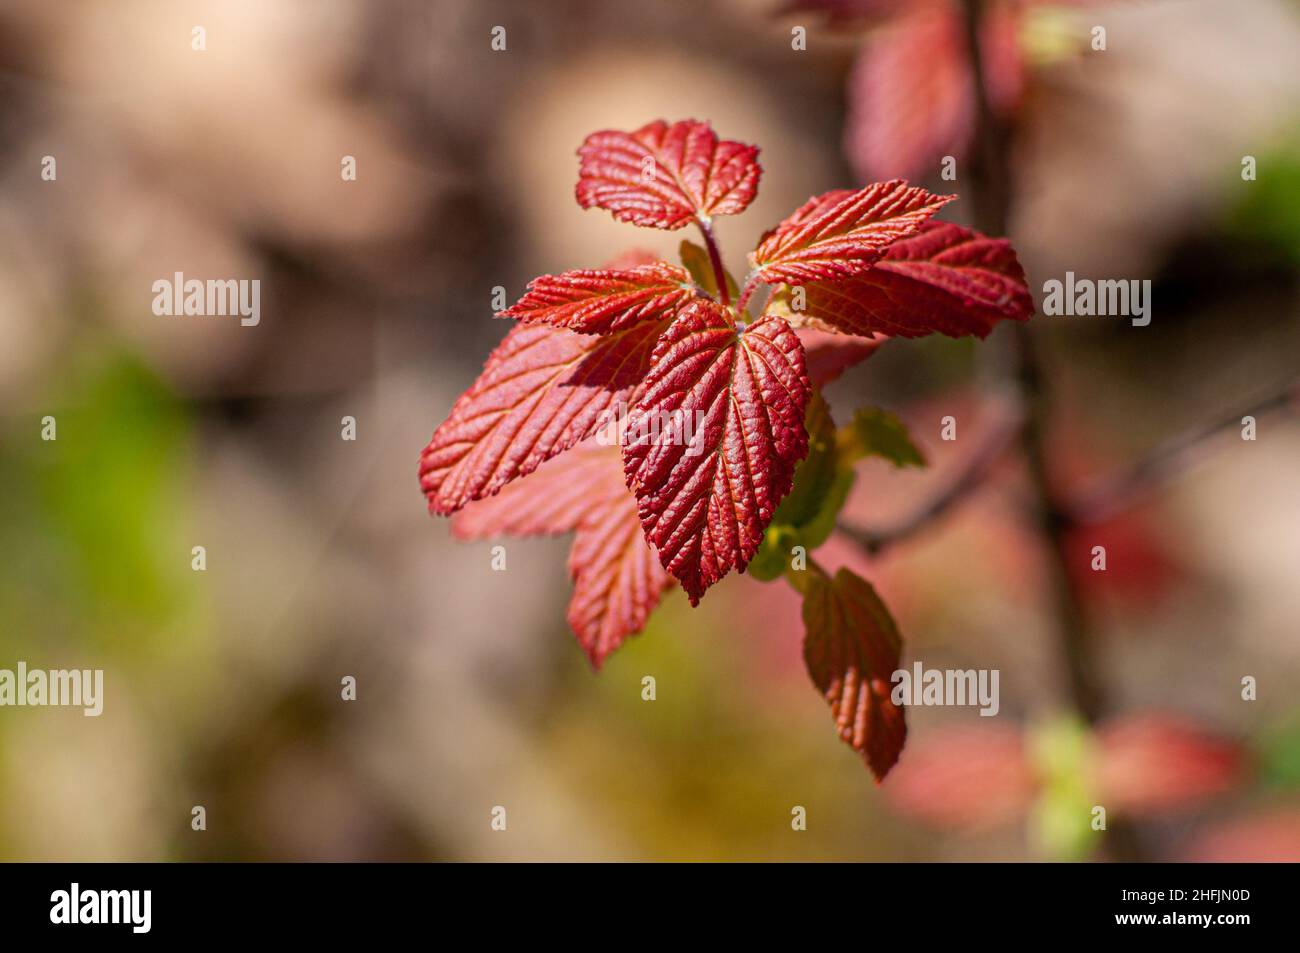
[841, 234]
[705, 499]
[663, 176]
[542, 390]
[852, 647]
[945, 278]
[596, 301]
[617, 579]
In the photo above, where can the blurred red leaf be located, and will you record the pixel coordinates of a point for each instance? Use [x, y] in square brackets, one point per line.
[964, 778]
[945, 278]
[974, 777]
[617, 579]
[911, 95]
[841, 233]
[705, 496]
[1138, 568]
[851, 648]
[1152, 763]
[663, 176]
[596, 301]
[1270, 837]
[845, 12]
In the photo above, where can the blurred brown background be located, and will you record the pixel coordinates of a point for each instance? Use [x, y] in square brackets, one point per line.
[222, 687]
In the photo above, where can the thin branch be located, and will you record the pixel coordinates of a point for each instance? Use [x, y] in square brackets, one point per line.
[751, 283]
[962, 486]
[1114, 494]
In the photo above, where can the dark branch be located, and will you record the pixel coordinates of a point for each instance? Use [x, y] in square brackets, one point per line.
[1114, 494]
[963, 485]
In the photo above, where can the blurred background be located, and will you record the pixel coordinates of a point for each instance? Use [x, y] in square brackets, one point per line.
[223, 687]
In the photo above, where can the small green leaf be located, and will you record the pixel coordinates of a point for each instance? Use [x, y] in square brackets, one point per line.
[878, 433]
[695, 259]
[807, 515]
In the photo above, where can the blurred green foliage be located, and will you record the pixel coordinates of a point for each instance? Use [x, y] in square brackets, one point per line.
[98, 513]
[1268, 215]
[1278, 755]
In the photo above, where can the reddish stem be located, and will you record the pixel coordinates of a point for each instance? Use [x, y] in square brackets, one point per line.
[750, 284]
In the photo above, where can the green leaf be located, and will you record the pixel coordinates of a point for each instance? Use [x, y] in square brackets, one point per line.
[695, 259]
[101, 514]
[878, 433]
[807, 515]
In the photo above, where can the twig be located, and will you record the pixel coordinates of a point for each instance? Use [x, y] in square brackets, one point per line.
[962, 486]
[1114, 494]
[751, 282]
[715, 259]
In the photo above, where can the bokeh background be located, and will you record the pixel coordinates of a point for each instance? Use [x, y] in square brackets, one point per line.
[223, 687]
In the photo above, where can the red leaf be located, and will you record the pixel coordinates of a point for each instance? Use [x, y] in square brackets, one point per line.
[665, 175]
[542, 390]
[945, 278]
[600, 300]
[911, 100]
[551, 501]
[617, 579]
[705, 501]
[852, 647]
[841, 234]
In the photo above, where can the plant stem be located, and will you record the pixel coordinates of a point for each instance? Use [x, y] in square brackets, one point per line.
[959, 488]
[715, 259]
[751, 282]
